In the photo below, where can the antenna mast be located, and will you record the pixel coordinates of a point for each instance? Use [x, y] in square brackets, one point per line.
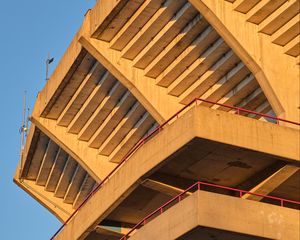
[23, 131]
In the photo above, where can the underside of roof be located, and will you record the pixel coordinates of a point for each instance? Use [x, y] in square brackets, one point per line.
[96, 111]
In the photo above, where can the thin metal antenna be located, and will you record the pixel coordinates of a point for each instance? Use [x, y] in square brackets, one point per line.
[23, 131]
[48, 61]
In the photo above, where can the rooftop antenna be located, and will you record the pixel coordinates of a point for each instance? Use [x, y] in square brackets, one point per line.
[48, 62]
[23, 131]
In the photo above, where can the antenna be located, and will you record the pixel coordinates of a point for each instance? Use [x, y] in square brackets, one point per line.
[48, 62]
[23, 131]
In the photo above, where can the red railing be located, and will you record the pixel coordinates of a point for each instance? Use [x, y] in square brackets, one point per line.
[155, 131]
[197, 186]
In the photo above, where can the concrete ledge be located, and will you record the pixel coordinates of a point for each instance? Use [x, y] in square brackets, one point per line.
[197, 122]
[55, 205]
[223, 213]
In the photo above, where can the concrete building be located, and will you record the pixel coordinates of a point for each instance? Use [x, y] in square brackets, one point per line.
[116, 132]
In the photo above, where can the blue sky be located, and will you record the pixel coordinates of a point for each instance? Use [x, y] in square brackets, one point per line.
[29, 30]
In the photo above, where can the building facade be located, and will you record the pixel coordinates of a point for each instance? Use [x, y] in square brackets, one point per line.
[172, 119]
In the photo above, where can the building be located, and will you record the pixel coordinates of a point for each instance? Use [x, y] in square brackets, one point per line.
[117, 131]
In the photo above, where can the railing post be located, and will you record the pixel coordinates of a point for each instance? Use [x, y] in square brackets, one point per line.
[198, 185]
[161, 210]
[281, 202]
[241, 194]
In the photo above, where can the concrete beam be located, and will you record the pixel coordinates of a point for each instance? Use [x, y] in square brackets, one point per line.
[133, 136]
[78, 99]
[51, 154]
[106, 13]
[102, 111]
[170, 31]
[287, 32]
[35, 158]
[164, 63]
[226, 83]
[112, 120]
[163, 188]
[230, 30]
[262, 10]
[271, 183]
[97, 95]
[188, 34]
[85, 188]
[262, 108]
[74, 185]
[279, 17]
[65, 178]
[96, 165]
[159, 19]
[244, 6]
[133, 25]
[238, 93]
[207, 210]
[56, 170]
[293, 47]
[122, 129]
[198, 67]
[143, 88]
[215, 73]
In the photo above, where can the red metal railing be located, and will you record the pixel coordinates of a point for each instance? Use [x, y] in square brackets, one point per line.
[197, 186]
[155, 131]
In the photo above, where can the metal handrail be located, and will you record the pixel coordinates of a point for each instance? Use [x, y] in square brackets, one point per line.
[198, 184]
[151, 134]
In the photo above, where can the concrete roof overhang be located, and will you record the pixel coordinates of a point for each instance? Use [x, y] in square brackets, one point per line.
[199, 122]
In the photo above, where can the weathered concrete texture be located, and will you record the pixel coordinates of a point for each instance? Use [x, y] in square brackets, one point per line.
[198, 122]
[215, 211]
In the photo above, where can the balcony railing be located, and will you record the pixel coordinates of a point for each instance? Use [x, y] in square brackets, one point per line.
[159, 128]
[198, 186]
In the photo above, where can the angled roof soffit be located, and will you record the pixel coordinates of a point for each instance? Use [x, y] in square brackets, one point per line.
[257, 52]
[153, 48]
[52, 176]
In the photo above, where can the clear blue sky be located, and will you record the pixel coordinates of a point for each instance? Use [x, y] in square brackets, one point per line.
[29, 30]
